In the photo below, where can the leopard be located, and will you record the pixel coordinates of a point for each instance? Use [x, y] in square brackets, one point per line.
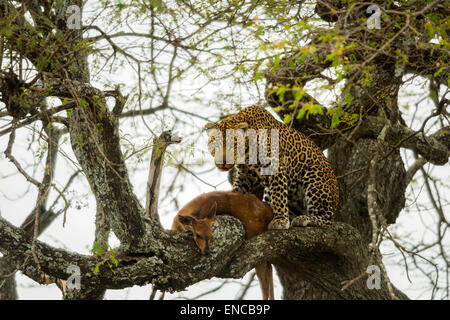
[299, 167]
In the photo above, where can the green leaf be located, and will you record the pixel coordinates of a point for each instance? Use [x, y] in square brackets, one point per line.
[83, 102]
[335, 116]
[277, 109]
[276, 63]
[335, 120]
[114, 260]
[97, 267]
[280, 92]
[301, 58]
[287, 118]
[353, 118]
[301, 113]
[316, 109]
[298, 93]
[259, 76]
[348, 98]
[439, 71]
[291, 64]
[98, 248]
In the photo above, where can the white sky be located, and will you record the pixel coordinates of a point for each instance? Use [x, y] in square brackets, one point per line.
[17, 197]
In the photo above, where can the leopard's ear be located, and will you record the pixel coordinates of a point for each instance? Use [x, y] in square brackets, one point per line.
[242, 125]
[209, 125]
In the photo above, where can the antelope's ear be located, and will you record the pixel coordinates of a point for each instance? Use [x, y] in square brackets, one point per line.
[185, 219]
[209, 125]
[243, 125]
[212, 212]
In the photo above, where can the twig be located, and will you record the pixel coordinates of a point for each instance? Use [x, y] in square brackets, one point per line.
[8, 154]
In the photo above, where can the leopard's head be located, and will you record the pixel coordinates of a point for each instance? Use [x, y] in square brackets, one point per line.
[242, 129]
[223, 138]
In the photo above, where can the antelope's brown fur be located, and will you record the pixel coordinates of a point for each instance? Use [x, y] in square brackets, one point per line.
[198, 216]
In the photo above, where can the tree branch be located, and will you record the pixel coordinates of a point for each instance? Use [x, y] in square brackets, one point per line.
[154, 175]
[434, 148]
[231, 257]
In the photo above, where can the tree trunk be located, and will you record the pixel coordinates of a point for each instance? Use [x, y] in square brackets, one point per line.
[312, 263]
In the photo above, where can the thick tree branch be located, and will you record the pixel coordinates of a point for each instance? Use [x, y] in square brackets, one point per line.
[39, 218]
[435, 147]
[338, 248]
[95, 140]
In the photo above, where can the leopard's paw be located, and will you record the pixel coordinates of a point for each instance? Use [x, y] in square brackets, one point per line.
[279, 224]
[301, 221]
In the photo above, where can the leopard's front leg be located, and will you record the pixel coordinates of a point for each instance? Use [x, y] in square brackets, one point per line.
[278, 194]
[243, 181]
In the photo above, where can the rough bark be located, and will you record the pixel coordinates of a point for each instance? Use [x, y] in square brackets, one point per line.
[155, 171]
[312, 263]
[351, 149]
[337, 250]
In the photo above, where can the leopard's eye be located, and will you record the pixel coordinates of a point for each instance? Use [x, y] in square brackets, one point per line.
[212, 145]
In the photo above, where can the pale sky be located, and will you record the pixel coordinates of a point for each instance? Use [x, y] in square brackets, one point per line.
[17, 197]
